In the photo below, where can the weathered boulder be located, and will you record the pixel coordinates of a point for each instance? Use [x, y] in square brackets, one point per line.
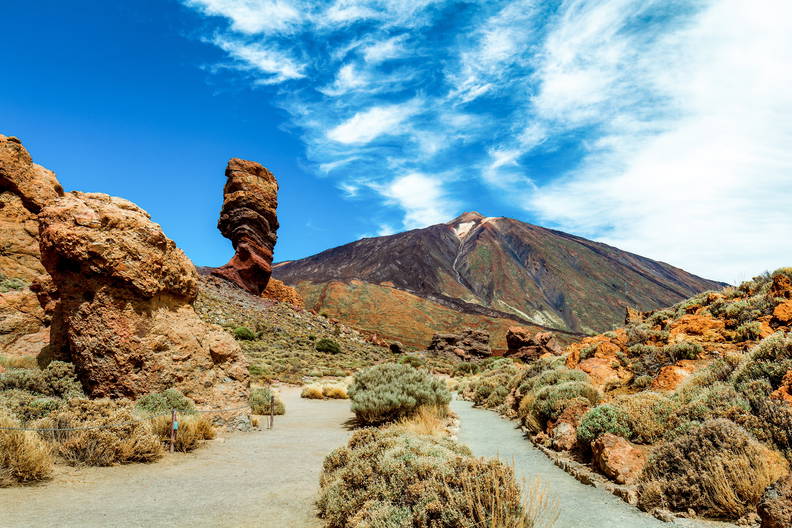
[396, 348]
[525, 345]
[775, 508]
[278, 291]
[784, 391]
[123, 303]
[249, 220]
[563, 432]
[782, 314]
[24, 189]
[617, 458]
[470, 344]
[671, 376]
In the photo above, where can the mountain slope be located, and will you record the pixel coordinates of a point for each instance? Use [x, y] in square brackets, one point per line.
[491, 268]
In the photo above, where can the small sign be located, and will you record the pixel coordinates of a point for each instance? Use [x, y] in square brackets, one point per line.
[175, 426]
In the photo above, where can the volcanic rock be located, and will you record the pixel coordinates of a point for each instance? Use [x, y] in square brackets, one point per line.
[563, 432]
[526, 345]
[249, 220]
[124, 305]
[617, 458]
[784, 392]
[775, 508]
[278, 291]
[468, 345]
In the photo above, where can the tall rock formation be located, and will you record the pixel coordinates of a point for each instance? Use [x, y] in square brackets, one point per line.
[124, 309]
[249, 220]
[24, 189]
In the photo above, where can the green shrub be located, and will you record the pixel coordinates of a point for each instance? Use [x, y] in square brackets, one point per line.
[27, 407]
[328, 345]
[164, 402]
[260, 402]
[413, 361]
[391, 391]
[748, 331]
[642, 382]
[660, 317]
[551, 400]
[769, 360]
[716, 469]
[392, 478]
[605, 418]
[57, 380]
[649, 360]
[9, 284]
[243, 333]
[467, 368]
[648, 415]
[642, 333]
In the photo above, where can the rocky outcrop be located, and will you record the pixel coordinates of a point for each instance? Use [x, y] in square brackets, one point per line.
[249, 220]
[122, 296]
[563, 433]
[25, 188]
[470, 344]
[775, 508]
[784, 391]
[277, 291]
[528, 346]
[617, 458]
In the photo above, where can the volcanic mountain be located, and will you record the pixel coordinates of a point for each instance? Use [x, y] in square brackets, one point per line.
[484, 272]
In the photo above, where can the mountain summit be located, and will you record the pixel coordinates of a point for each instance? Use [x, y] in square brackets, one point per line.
[488, 272]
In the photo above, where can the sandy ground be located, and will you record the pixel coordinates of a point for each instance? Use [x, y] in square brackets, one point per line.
[266, 478]
[580, 506]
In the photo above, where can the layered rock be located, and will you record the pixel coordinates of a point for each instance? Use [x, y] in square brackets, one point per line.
[470, 344]
[249, 220]
[775, 508]
[25, 188]
[277, 291]
[124, 305]
[617, 458]
[526, 345]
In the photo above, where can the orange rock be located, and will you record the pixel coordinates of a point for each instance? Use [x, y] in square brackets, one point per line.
[702, 327]
[782, 313]
[278, 291]
[601, 371]
[563, 433]
[617, 458]
[784, 392]
[764, 326]
[782, 286]
[671, 376]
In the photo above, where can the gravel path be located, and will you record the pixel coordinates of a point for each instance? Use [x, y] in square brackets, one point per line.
[580, 506]
[263, 479]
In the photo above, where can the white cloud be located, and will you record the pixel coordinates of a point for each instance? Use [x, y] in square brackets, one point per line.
[365, 126]
[422, 198]
[694, 167]
[349, 78]
[383, 50]
[277, 65]
[253, 16]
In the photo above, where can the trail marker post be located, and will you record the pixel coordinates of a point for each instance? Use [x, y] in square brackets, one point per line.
[174, 426]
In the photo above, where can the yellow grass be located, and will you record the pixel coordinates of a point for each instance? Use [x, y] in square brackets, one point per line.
[428, 420]
[19, 362]
[24, 457]
[312, 392]
[335, 392]
[193, 429]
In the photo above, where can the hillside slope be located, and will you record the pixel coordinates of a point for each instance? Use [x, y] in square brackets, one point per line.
[498, 269]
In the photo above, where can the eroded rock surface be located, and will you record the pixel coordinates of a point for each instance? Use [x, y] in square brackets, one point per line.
[526, 345]
[617, 458]
[249, 220]
[122, 299]
[470, 344]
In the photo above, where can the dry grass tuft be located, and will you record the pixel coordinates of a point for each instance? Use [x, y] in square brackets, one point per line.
[18, 362]
[329, 391]
[193, 429]
[427, 420]
[335, 392]
[24, 457]
[312, 392]
[131, 442]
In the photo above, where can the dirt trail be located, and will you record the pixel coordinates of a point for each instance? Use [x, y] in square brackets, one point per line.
[263, 479]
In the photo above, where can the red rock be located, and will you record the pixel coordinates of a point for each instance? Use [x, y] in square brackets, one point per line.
[671, 376]
[784, 392]
[775, 508]
[782, 314]
[249, 220]
[278, 291]
[563, 432]
[698, 327]
[122, 295]
[617, 458]
[525, 345]
[471, 343]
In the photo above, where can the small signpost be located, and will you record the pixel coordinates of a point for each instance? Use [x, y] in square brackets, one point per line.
[174, 428]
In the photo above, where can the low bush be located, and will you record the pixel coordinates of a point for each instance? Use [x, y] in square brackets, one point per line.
[262, 399]
[328, 346]
[769, 360]
[165, 402]
[748, 331]
[192, 430]
[605, 418]
[27, 407]
[648, 415]
[550, 401]
[243, 333]
[57, 380]
[122, 437]
[717, 469]
[335, 392]
[391, 391]
[24, 457]
[413, 361]
[396, 478]
[312, 392]
[649, 359]
[18, 362]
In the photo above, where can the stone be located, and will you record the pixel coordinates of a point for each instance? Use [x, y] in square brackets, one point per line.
[782, 313]
[396, 348]
[617, 458]
[784, 391]
[563, 432]
[122, 298]
[278, 291]
[470, 344]
[701, 328]
[23, 324]
[248, 218]
[775, 508]
[671, 376]
[528, 346]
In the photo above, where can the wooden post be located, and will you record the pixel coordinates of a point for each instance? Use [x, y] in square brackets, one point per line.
[272, 410]
[173, 429]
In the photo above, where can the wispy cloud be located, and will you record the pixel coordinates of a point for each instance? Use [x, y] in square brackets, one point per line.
[659, 126]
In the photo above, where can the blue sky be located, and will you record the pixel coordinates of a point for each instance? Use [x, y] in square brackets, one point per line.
[659, 126]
